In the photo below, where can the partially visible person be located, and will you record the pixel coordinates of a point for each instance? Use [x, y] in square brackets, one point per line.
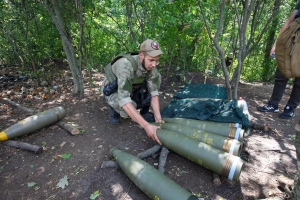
[128, 96]
[281, 82]
[291, 187]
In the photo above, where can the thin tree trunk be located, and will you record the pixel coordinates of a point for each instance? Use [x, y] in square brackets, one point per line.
[251, 7]
[140, 20]
[27, 46]
[81, 25]
[270, 41]
[67, 46]
[217, 45]
[129, 23]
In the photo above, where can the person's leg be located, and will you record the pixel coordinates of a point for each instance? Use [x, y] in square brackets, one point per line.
[294, 99]
[279, 87]
[113, 115]
[143, 100]
[145, 109]
[293, 102]
[148, 116]
[144, 105]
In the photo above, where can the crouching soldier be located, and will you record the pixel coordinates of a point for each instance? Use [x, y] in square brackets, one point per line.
[131, 83]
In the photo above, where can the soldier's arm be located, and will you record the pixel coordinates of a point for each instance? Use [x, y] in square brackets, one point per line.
[135, 116]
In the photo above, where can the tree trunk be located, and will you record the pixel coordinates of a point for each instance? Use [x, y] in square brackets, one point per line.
[217, 45]
[67, 46]
[129, 23]
[141, 22]
[267, 63]
[251, 8]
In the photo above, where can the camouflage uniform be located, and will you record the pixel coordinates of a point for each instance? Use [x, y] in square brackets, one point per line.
[128, 81]
[296, 190]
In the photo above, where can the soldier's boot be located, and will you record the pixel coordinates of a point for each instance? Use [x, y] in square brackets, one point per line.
[148, 116]
[113, 116]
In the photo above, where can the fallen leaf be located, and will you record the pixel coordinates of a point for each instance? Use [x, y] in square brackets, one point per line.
[67, 155]
[31, 184]
[57, 157]
[95, 195]
[63, 182]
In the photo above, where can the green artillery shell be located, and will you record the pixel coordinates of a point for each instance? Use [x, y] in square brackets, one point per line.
[33, 123]
[222, 163]
[226, 144]
[152, 182]
[230, 130]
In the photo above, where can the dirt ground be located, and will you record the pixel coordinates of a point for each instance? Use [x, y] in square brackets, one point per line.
[70, 165]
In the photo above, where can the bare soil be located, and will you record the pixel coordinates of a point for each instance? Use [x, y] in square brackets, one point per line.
[29, 176]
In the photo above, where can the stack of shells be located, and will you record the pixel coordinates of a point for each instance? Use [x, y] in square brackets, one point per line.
[216, 146]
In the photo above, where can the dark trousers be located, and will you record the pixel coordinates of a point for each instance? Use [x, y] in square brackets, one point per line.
[279, 87]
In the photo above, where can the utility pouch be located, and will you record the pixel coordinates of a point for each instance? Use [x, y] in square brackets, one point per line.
[141, 96]
[110, 88]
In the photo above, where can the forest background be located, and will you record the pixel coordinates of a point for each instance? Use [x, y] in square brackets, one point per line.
[196, 36]
[44, 40]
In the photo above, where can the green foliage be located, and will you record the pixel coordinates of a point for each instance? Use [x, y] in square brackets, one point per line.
[30, 40]
[66, 155]
[31, 184]
[95, 195]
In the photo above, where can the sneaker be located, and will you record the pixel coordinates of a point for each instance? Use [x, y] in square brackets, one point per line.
[113, 116]
[268, 108]
[149, 117]
[287, 113]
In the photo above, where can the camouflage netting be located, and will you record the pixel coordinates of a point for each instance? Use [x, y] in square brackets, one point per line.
[205, 102]
[202, 91]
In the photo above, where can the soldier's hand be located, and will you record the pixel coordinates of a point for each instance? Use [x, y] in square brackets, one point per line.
[160, 121]
[151, 132]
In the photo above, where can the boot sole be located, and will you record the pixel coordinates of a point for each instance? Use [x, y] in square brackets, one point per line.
[275, 111]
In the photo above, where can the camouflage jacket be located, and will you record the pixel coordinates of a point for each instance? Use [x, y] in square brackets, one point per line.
[128, 79]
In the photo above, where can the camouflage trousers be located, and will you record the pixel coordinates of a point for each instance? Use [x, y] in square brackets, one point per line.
[113, 99]
[296, 190]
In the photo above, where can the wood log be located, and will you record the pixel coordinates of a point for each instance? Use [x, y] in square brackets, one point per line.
[142, 155]
[23, 145]
[163, 159]
[19, 106]
[149, 152]
[109, 164]
[68, 127]
[216, 179]
[261, 127]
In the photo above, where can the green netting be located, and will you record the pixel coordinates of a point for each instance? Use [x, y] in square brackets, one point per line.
[202, 91]
[214, 109]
